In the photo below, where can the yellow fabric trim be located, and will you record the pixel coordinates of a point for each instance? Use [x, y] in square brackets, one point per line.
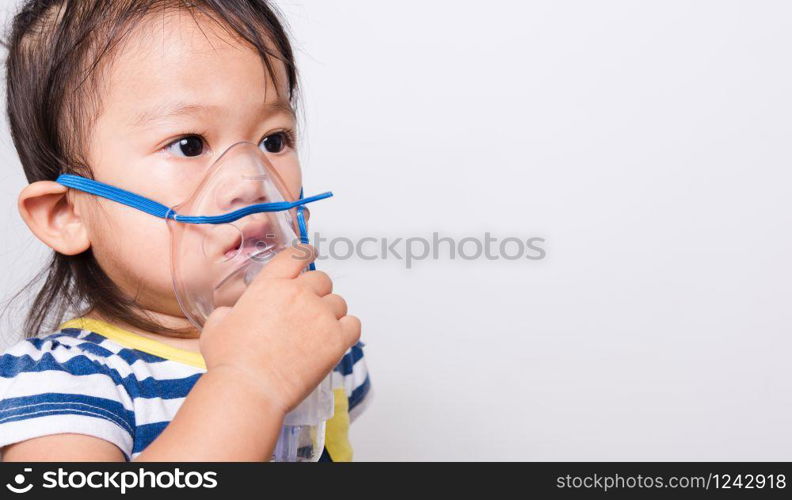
[337, 433]
[139, 342]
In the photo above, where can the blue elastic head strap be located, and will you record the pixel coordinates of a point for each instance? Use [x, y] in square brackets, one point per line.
[304, 227]
[156, 209]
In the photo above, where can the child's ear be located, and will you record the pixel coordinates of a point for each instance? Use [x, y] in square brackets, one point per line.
[48, 212]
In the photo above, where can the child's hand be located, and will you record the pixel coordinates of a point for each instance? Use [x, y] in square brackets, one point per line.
[285, 333]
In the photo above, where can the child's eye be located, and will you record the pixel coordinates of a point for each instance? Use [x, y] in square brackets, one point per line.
[187, 147]
[275, 143]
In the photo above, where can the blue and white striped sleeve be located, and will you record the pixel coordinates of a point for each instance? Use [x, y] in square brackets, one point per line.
[355, 379]
[50, 387]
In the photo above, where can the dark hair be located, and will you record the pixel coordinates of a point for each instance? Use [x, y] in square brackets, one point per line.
[55, 51]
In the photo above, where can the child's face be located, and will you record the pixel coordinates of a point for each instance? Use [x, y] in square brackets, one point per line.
[173, 99]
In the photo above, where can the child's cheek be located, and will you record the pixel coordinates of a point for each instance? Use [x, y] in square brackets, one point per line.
[133, 248]
[292, 177]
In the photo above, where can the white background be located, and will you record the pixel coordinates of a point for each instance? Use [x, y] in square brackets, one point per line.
[648, 142]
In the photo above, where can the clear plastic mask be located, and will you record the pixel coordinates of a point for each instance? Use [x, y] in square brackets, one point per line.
[213, 264]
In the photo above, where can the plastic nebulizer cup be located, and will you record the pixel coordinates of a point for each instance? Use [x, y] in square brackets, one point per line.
[213, 263]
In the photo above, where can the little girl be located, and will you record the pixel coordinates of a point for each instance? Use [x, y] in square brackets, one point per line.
[144, 95]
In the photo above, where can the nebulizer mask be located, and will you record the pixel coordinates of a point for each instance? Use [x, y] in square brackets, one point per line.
[239, 217]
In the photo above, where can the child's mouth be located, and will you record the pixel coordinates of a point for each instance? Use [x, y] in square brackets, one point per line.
[255, 243]
[255, 240]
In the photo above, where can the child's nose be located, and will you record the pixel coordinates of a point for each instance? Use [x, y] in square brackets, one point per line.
[246, 190]
[244, 180]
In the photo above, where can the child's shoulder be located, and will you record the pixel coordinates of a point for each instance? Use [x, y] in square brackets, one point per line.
[68, 352]
[80, 352]
[64, 347]
[69, 381]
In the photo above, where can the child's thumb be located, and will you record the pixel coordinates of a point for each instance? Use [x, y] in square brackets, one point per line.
[216, 318]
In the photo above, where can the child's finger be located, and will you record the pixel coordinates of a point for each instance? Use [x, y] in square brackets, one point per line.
[319, 282]
[337, 304]
[217, 317]
[350, 325]
[288, 264]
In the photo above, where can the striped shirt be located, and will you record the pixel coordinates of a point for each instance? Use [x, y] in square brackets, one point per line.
[96, 379]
